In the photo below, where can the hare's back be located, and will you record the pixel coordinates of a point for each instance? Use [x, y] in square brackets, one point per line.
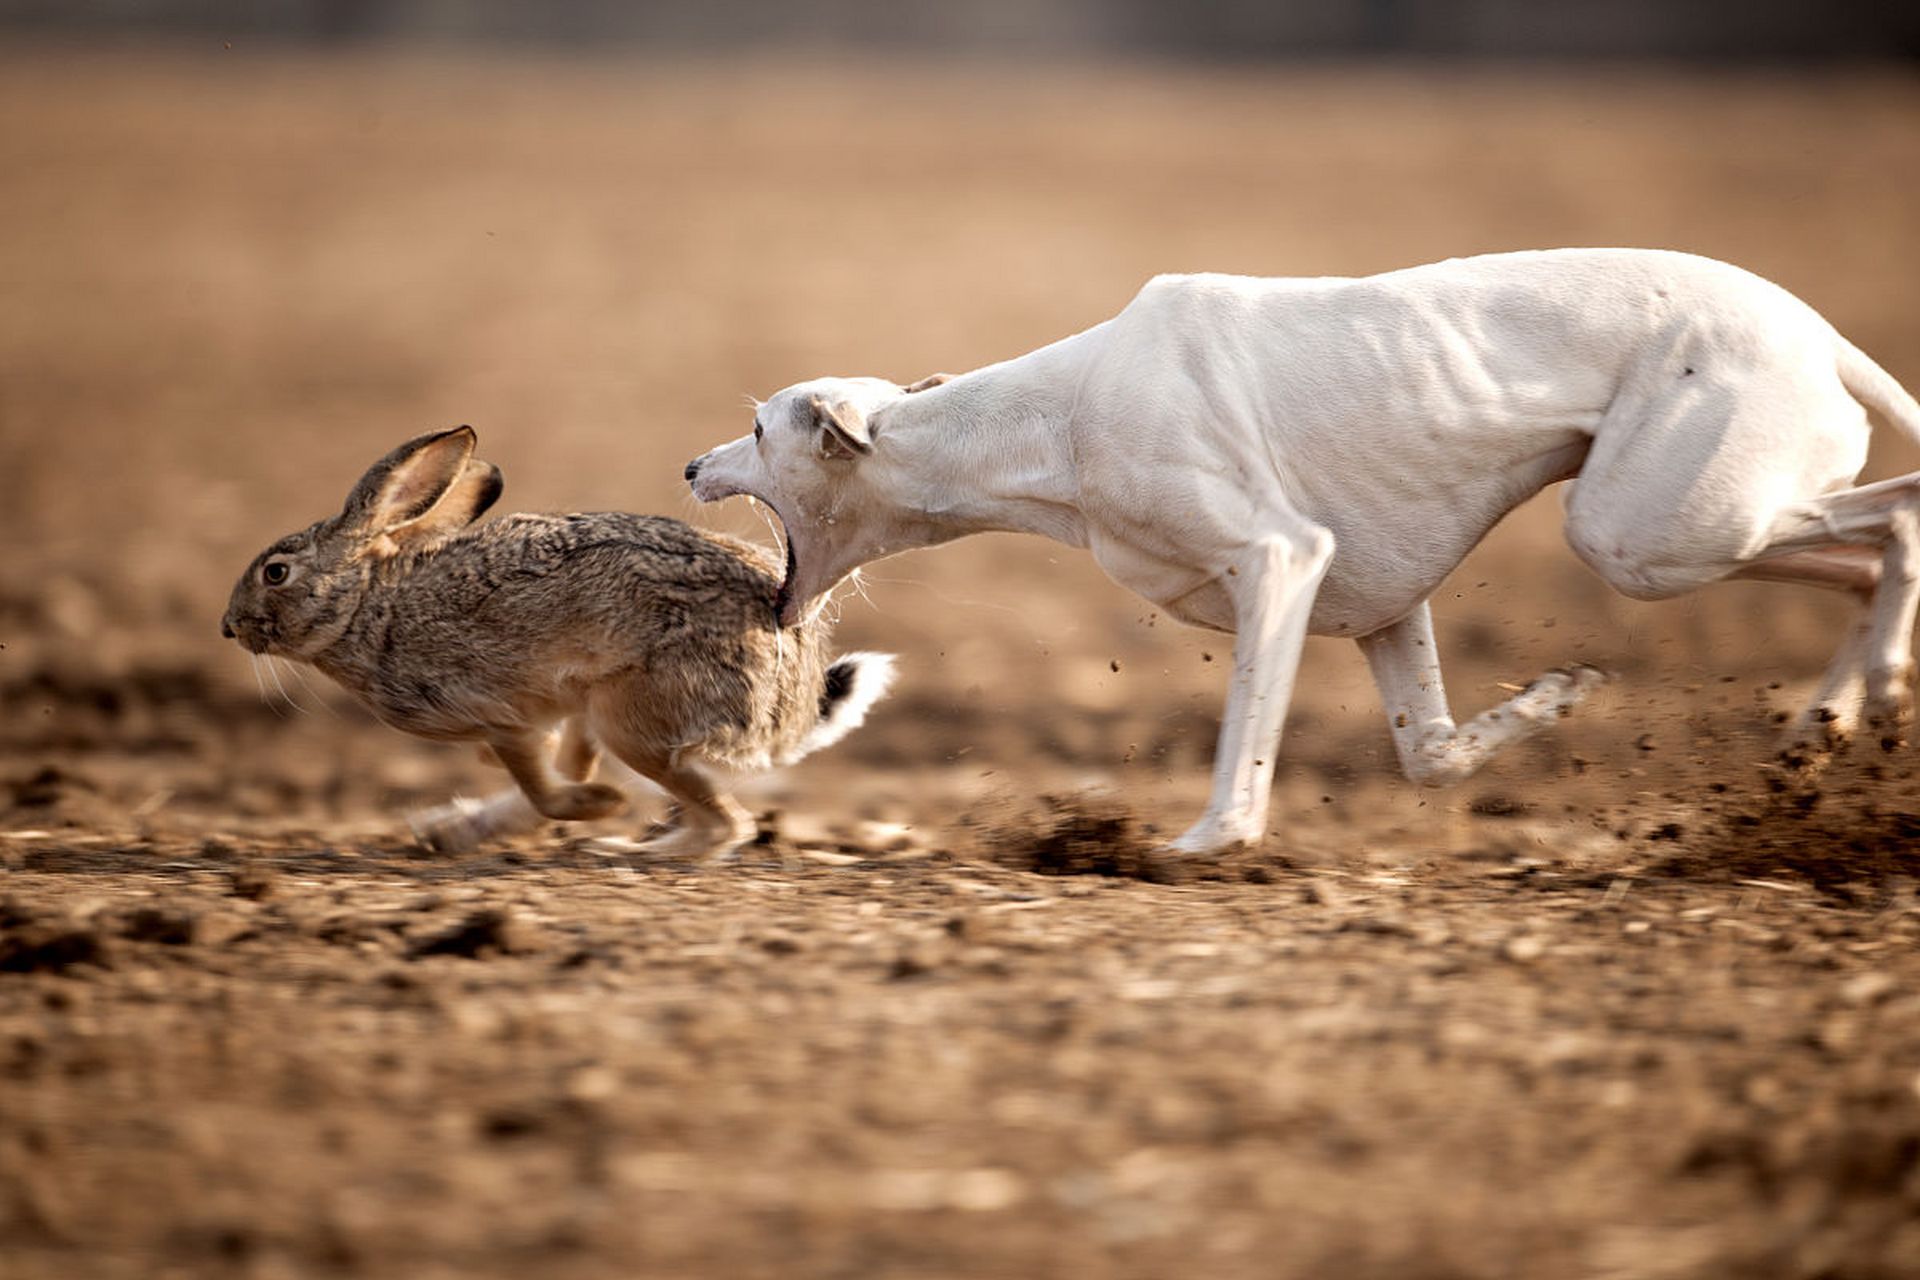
[616, 559]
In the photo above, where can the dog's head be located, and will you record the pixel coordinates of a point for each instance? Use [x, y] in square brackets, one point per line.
[820, 456]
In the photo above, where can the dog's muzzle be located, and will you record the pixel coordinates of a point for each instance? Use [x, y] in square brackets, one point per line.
[693, 468]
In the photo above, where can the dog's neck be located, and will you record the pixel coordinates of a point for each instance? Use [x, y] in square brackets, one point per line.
[993, 449]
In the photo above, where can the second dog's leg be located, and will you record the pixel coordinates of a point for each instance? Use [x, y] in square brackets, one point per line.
[1432, 749]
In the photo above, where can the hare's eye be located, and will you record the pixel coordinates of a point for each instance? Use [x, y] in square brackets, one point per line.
[274, 574]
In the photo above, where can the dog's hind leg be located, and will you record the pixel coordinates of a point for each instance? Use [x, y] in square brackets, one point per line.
[1884, 517]
[1433, 750]
[1272, 588]
[1833, 712]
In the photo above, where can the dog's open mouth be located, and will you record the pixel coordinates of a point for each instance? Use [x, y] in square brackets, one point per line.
[789, 574]
[784, 594]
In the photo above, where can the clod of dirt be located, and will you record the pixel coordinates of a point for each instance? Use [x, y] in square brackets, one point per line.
[912, 962]
[252, 882]
[488, 931]
[1493, 804]
[1083, 836]
[30, 945]
[166, 925]
[44, 788]
[1857, 829]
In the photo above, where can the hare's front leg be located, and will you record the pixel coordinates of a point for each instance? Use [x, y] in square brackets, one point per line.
[553, 792]
[463, 824]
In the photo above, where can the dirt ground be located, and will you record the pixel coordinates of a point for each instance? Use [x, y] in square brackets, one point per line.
[1631, 1004]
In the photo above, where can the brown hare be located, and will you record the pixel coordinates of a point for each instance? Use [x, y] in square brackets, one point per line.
[641, 634]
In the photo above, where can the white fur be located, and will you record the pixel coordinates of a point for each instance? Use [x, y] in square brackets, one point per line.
[872, 676]
[1274, 457]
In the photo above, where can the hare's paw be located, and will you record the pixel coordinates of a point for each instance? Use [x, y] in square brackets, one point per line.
[583, 801]
[446, 828]
[463, 824]
[703, 843]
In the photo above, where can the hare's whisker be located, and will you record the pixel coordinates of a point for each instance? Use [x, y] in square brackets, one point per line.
[273, 670]
[260, 683]
[317, 696]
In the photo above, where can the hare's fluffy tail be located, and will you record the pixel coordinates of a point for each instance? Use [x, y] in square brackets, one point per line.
[854, 682]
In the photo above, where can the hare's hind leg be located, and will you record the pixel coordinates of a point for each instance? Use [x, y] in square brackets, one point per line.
[712, 823]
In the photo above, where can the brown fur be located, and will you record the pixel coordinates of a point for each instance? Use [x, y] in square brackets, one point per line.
[641, 634]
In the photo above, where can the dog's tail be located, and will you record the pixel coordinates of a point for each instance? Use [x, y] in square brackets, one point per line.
[854, 682]
[1877, 389]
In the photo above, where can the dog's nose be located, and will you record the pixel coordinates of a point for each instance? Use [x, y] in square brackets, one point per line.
[693, 469]
[226, 628]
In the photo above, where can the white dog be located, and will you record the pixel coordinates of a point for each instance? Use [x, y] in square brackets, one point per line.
[1279, 457]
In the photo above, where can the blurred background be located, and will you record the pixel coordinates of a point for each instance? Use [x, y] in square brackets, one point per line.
[247, 247]
[1502, 1031]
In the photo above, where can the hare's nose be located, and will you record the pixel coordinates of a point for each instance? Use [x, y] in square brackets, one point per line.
[693, 469]
[226, 628]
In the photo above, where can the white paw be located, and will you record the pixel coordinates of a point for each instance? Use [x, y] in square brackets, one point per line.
[463, 824]
[1559, 691]
[1213, 835]
[449, 828]
[694, 842]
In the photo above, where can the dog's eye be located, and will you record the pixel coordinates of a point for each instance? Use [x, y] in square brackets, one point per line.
[274, 573]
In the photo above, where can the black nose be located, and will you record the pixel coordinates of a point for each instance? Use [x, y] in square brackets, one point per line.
[693, 469]
[226, 628]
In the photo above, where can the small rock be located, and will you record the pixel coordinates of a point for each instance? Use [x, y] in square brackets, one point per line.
[593, 1084]
[253, 882]
[1524, 949]
[1383, 925]
[1868, 988]
[912, 962]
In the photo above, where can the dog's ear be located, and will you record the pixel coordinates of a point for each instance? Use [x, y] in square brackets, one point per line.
[843, 429]
[929, 382]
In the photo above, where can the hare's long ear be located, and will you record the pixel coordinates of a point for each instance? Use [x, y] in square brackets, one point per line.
[477, 489]
[397, 498]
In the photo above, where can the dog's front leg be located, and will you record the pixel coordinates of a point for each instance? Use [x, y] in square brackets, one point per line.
[1272, 587]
